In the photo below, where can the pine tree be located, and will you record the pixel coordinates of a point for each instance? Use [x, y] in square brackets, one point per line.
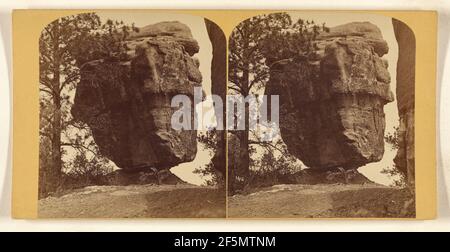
[67, 45]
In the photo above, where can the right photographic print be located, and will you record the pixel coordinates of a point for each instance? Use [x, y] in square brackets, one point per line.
[325, 128]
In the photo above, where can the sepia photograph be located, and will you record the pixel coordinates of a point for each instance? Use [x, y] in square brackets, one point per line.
[224, 115]
[339, 139]
[224, 125]
[107, 146]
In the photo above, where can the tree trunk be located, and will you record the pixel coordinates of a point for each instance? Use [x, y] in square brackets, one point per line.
[243, 140]
[53, 178]
[244, 154]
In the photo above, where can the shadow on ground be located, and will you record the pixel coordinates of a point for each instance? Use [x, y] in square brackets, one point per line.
[324, 201]
[136, 201]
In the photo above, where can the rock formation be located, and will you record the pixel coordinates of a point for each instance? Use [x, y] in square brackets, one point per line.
[331, 107]
[404, 160]
[130, 114]
[218, 87]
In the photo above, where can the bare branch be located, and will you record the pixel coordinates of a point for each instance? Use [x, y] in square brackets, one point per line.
[79, 146]
[46, 91]
[257, 79]
[68, 80]
[235, 88]
[267, 144]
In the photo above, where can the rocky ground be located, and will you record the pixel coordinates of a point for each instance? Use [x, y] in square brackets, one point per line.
[136, 201]
[323, 201]
[368, 200]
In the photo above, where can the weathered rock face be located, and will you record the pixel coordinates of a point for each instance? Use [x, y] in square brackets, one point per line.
[218, 87]
[130, 115]
[406, 63]
[331, 109]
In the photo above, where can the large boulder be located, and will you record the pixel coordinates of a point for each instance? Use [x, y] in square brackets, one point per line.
[331, 106]
[129, 111]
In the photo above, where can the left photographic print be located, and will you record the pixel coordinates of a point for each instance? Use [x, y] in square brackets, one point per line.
[107, 145]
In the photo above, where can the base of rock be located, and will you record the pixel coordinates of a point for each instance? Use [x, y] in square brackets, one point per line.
[304, 177]
[163, 177]
[313, 177]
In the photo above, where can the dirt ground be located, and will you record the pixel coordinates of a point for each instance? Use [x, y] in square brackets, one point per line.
[190, 201]
[323, 201]
[136, 201]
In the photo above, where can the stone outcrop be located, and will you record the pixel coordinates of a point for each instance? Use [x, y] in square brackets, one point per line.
[404, 160]
[331, 106]
[129, 111]
[218, 87]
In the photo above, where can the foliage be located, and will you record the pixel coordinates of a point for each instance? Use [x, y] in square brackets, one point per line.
[67, 46]
[85, 171]
[274, 166]
[209, 171]
[209, 140]
[400, 179]
[246, 58]
[209, 174]
[255, 45]
[392, 139]
[296, 42]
